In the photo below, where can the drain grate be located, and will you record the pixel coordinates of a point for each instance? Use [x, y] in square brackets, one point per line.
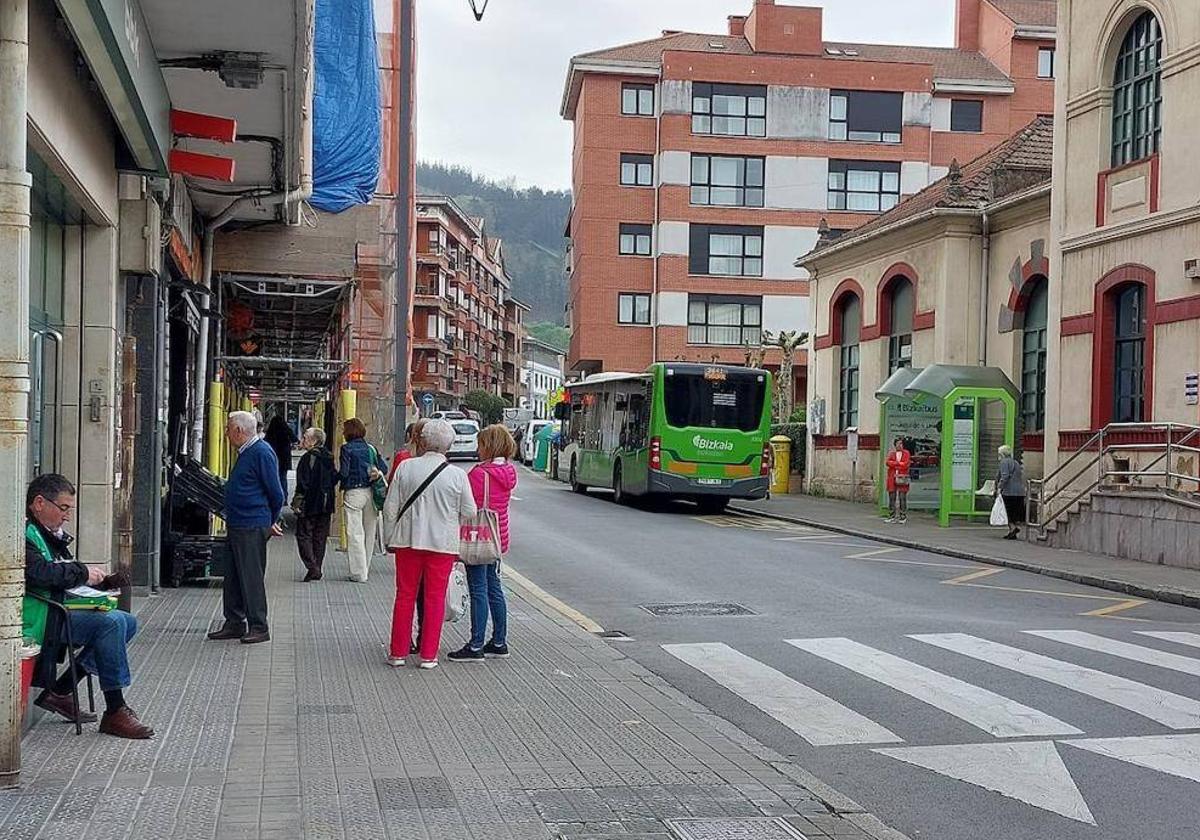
[747, 828]
[701, 608]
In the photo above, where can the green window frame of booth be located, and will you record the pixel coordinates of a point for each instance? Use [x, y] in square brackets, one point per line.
[949, 495]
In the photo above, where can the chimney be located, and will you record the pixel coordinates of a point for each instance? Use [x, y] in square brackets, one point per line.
[669, 32]
[966, 24]
[784, 30]
[737, 24]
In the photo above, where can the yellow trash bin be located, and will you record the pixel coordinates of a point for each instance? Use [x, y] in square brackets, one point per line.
[781, 468]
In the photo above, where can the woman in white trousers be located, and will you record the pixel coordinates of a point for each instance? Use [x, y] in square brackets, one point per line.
[359, 465]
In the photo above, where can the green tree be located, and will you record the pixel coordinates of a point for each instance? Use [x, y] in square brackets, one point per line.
[490, 407]
[552, 334]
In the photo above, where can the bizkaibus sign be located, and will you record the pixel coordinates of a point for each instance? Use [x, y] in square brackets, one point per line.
[709, 445]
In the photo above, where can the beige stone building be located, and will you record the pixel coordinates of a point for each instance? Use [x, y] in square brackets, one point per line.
[955, 275]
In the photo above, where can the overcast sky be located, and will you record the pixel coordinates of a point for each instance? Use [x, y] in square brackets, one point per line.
[488, 93]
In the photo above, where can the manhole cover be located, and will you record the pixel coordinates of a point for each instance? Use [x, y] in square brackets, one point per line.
[697, 608]
[749, 828]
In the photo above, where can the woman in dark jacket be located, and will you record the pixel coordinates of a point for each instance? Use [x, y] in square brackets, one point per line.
[1010, 485]
[281, 439]
[359, 466]
[316, 481]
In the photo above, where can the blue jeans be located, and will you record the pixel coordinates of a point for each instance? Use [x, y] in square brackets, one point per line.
[487, 594]
[104, 637]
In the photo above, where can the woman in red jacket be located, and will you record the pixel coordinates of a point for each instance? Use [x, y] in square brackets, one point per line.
[898, 481]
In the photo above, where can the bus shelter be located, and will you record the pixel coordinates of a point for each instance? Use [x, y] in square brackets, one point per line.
[953, 419]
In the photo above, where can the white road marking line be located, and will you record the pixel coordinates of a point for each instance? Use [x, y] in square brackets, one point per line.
[1176, 755]
[873, 553]
[1178, 637]
[816, 718]
[1032, 773]
[1169, 709]
[1124, 650]
[997, 715]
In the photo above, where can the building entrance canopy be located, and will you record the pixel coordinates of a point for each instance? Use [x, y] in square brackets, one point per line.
[953, 419]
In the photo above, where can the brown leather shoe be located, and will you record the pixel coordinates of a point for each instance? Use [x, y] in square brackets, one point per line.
[256, 636]
[227, 632]
[61, 705]
[123, 723]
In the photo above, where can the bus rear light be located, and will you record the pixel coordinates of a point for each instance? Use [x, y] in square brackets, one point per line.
[768, 455]
[656, 453]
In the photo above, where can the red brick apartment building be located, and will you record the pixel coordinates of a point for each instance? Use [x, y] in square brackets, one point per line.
[704, 164]
[467, 326]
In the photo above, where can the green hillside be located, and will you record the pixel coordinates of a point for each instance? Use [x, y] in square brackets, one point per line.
[530, 221]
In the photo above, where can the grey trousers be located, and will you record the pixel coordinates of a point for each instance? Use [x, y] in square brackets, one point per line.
[245, 589]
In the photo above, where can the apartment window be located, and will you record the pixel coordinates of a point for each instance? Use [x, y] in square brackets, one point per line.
[1045, 65]
[1033, 361]
[635, 240]
[864, 186]
[966, 115]
[865, 116]
[725, 320]
[637, 170]
[727, 181]
[902, 305]
[849, 313]
[726, 250]
[1137, 92]
[1129, 362]
[731, 110]
[633, 309]
[637, 100]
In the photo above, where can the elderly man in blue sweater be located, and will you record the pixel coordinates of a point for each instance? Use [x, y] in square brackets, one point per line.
[253, 501]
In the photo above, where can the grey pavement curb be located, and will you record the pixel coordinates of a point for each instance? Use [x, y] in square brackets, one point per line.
[834, 801]
[1126, 587]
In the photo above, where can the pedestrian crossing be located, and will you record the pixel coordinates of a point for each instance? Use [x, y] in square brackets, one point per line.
[1030, 770]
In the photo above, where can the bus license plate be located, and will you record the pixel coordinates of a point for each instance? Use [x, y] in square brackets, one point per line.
[711, 482]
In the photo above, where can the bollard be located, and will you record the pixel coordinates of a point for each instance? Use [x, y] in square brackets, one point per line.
[781, 466]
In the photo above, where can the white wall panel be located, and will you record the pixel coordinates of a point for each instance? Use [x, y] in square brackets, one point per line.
[782, 246]
[797, 183]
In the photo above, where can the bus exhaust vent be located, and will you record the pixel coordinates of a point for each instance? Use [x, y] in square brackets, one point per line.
[697, 608]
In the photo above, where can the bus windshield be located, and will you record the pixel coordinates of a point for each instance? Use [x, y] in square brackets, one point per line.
[733, 403]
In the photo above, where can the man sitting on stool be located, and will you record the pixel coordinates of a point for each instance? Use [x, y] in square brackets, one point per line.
[51, 571]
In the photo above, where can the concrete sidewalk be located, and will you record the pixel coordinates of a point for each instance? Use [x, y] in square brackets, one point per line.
[313, 736]
[984, 544]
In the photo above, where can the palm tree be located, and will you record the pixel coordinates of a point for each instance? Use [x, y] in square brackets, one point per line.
[788, 341]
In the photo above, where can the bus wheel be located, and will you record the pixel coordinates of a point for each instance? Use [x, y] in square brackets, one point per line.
[619, 494]
[712, 504]
[575, 485]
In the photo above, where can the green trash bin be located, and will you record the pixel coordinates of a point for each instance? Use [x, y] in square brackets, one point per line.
[541, 450]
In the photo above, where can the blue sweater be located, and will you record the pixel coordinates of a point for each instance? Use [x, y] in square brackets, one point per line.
[253, 495]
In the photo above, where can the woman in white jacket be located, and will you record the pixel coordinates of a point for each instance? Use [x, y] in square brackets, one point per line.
[426, 504]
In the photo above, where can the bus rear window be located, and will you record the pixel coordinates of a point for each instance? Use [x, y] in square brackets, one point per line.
[735, 403]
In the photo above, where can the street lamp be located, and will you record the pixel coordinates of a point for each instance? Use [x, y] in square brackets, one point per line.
[478, 7]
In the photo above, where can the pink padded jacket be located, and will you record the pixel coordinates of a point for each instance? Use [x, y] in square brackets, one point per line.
[503, 481]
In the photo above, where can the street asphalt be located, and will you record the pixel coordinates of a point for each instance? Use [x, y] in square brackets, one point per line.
[909, 681]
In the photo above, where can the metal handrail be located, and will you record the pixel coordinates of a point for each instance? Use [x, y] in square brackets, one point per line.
[1038, 487]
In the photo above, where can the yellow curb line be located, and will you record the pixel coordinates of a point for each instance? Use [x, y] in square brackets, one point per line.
[534, 591]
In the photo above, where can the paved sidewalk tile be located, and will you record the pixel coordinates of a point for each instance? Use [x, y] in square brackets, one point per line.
[313, 736]
[983, 544]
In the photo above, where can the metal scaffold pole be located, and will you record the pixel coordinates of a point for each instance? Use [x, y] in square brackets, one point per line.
[405, 189]
[15, 184]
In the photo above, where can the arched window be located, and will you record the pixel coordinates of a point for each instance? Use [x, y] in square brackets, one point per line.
[1033, 360]
[1129, 356]
[1137, 92]
[900, 317]
[850, 315]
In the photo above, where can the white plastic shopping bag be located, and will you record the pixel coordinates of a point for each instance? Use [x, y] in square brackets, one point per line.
[999, 516]
[458, 596]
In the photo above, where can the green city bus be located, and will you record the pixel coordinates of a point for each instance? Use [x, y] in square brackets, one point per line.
[684, 431]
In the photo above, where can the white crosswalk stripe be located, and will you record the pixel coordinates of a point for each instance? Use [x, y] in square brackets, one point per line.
[993, 713]
[1124, 650]
[1178, 637]
[818, 719]
[1165, 707]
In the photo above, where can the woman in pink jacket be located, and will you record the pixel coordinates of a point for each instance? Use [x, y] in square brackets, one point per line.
[496, 450]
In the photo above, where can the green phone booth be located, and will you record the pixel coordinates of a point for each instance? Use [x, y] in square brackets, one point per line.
[953, 419]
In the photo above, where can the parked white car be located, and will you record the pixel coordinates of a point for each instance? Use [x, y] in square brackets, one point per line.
[529, 439]
[466, 440]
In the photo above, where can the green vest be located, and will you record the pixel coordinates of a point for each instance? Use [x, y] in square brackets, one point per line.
[33, 611]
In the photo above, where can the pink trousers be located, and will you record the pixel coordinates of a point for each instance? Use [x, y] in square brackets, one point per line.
[413, 564]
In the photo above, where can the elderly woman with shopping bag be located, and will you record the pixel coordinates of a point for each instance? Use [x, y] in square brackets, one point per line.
[427, 503]
[1009, 508]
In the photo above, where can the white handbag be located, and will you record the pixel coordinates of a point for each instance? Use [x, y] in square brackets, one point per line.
[479, 538]
[999, 516]
[458, 595]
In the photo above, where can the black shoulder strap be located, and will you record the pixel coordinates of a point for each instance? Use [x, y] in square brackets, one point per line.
[424, 484]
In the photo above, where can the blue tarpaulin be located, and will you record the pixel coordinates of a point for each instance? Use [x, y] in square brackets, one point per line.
[346, 106]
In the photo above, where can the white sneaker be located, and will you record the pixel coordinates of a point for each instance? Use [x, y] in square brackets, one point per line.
[428, 664]
[396, 661]
[890, 520]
